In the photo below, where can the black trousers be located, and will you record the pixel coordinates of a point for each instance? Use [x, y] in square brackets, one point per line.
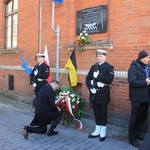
[100, 113]
[43, 129]
[139, 113]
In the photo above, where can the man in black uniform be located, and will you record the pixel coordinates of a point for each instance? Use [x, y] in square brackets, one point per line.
[46, 112]
[138, 78]
[98, 80]
[39, 74]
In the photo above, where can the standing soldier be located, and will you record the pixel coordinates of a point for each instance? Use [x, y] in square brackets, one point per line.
[98, 80]
[39, 74]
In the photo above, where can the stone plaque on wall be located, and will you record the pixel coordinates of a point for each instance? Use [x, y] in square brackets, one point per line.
[92, 20]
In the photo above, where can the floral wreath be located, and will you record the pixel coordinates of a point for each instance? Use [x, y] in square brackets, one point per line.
[76, 104]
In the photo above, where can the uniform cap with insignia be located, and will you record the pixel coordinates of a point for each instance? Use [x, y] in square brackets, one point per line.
[101, 52]
[40, 55]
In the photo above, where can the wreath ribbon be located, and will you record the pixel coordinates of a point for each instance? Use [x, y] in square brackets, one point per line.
[69, 108]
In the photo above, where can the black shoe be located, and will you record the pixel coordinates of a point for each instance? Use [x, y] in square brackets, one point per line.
[52, 132]
[134, 143]
[102, 139]
[26, 132]
[139, 136]
[92, 136]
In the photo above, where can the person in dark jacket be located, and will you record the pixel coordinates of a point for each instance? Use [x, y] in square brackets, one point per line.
[46, 112]
[138, 78]
[99, 78]
[39, 74]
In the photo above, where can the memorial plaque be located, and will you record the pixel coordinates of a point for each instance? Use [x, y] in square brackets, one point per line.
[92, 20]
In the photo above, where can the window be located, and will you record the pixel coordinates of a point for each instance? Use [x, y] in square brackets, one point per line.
[11, 24]
[11, 82]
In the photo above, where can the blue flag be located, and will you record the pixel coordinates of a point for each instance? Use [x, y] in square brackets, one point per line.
[25, 66]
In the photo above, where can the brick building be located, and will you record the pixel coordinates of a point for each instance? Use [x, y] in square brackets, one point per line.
[26, 27]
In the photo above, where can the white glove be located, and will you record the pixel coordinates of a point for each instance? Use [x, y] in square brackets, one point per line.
[92, 82]
[95, 74]
[39, 79]
[36, 72]
[93, 90]
[34, 84]
[100, 84]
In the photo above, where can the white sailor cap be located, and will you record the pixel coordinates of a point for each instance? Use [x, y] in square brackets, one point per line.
[40, 55]
[101, 52]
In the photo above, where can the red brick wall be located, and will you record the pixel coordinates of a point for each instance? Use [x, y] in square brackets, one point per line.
[128, 29]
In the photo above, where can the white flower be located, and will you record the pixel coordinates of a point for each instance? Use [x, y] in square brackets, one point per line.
[72, 95]
[86, 34]
[64, 100]
[68, 92]
[81, 34]
[73, 107]
[73, 100]
[77, 102]
[60, 93]
[82, 37]
[84, 31]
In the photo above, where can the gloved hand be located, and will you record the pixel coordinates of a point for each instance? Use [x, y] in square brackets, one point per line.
[93, 90]
[36, 72]
[34, 84]
[100, 84]
[39, 79]
[95, 74]
[92, 82]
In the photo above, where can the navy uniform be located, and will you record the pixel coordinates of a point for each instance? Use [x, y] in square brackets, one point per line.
[46, 112]
[98, 80]
[39, 74]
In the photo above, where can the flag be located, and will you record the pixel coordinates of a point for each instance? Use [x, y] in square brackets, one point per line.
[25, 66]
[47, 63]
[71, 65]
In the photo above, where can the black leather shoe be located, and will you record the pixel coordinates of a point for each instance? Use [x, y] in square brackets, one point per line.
[102, 139]
[134, 143]
[52, 132]
[139, 136]
[92, 136]
[26, 132]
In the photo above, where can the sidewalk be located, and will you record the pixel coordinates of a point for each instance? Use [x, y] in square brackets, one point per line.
[15, 115]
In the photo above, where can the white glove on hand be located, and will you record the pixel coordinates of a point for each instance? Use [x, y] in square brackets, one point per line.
[96, 74]
[92, 82]
[34, 84]
[36, 72]
[93, 90]
[100, 84]
[39, 79]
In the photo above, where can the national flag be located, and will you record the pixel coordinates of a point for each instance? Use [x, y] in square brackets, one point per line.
[71, 65]
[25, 66]
[47, 63]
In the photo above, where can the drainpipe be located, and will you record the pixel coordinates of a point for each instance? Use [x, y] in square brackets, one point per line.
[40, 27]
[57, 31]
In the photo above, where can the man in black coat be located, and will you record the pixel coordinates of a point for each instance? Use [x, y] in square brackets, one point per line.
[138, 78]
[46, 112]
[98, 80]
[39, 74]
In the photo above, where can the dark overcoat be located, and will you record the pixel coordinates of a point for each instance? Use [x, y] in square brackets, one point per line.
[106, 76]
[138, 88]
[46, 109]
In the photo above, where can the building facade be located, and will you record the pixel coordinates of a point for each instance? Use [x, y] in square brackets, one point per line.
[27, 26]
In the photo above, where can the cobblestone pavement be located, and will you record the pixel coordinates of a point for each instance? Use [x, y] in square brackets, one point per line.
[15, 115]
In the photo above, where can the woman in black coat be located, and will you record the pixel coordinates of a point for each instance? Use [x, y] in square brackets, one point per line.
[138, 78]
[46, 112]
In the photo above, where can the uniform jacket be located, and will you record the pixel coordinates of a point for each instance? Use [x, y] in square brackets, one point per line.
[46, 109]
[106, 76]
[43, 73]
[138, 88]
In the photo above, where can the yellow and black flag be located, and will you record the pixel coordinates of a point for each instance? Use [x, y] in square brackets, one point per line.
[71, 65]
